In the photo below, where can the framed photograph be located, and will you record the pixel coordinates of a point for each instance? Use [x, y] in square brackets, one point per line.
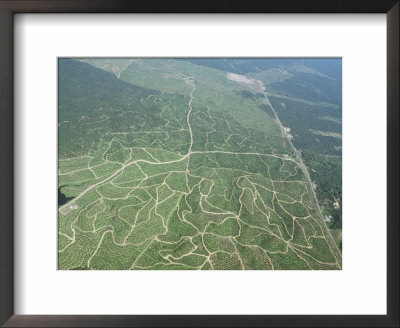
[206, 164]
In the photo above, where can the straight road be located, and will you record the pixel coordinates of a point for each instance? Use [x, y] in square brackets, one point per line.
[301, 165]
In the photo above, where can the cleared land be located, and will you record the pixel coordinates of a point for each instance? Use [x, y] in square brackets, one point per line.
[180, 171]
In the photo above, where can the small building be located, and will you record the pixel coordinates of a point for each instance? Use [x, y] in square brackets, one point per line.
[336, 204]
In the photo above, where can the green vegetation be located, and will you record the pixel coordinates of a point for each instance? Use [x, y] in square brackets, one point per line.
[316, 131]
[170, 164]
[306, 95]
[326, 172]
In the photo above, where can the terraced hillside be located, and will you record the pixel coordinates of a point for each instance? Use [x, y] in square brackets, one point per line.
[166, 164]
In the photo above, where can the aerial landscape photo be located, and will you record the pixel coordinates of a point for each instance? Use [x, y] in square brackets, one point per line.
[199, 163]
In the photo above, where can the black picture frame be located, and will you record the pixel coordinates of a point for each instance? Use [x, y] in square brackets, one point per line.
[10, 7]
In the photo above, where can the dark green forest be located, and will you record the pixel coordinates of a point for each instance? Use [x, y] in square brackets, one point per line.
[91, 102]
[326, 172]
[311, 87]
[322, 154]
[302, 117]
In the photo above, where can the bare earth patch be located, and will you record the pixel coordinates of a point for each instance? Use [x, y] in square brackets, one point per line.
[326, 133]
[251, 83]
